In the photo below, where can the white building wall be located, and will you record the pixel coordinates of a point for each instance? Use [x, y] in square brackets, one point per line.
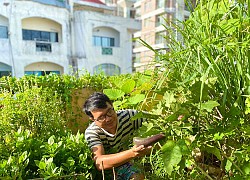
[4, 43]
[75, 37]
[19, 53]
[89, 55]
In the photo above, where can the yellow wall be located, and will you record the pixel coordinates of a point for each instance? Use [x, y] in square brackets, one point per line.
[77, 119]
[42, 66]
[42, 24]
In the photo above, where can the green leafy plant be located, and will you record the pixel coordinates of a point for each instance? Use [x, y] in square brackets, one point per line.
[129, 90]
[204, 93]
[34, 138]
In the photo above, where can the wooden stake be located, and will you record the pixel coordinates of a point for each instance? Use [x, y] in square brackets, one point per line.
[114, 173]
[103, 178]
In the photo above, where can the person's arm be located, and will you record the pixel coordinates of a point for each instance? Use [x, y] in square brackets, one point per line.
[108, 161]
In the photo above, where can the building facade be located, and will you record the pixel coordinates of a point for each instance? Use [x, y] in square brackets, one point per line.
[104, 40]
[154, 15]
[59, 36]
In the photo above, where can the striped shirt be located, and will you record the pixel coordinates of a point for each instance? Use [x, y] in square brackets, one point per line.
[95, 135]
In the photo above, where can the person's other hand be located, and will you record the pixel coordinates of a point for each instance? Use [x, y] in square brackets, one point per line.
[141, 150]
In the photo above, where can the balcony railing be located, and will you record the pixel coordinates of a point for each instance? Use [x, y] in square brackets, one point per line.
[45, 47]
[104, 51]
[107, 51]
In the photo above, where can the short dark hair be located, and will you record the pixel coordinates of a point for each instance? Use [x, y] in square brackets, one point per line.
[97, 100]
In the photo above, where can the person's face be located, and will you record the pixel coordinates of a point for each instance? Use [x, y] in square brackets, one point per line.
[105, 118]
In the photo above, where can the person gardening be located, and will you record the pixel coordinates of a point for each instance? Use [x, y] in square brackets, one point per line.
[109, 137]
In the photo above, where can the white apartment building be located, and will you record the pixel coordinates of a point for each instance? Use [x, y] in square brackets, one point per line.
[44, 36]
[154, 14]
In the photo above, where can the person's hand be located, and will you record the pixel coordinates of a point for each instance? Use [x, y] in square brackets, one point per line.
[140, 151]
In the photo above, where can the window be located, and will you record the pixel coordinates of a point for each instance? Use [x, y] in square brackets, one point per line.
[147, 22]
[103, 41]
[43, 47]
[5, 73]
[159, 37]
[147, 6]
[138, 12]
[160, 3]
[132, 13]
[5, 70]
[40, 35]
[169, 17]
[3, 32]
[137, 58]
[160, 54]
[189, 5]
[160, 20]
[148, 38]
[40, 73]
[137, 44]
[108, 69]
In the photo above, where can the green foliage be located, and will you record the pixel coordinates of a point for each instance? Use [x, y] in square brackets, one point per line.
[127, 91]
[67, 155]
[200, 102]
[205, 93]
[35, 141]
[172, 155]
[32, 110]
[62, 154]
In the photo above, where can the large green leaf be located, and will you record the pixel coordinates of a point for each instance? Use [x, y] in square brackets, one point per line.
[128, 86]
[209, 105]
[171, 155]
[149, 126]
[213, 150]
[51, 140]
[172, 117]
[184, 148]
[70, 161]
[228, 165]
[247, 102]
[169, 98]
[23, 157]
[113, 94]
[143, 79]
[117, 81]
[40, 164]
[146, 86]
[246, 168]
[136, 99]
[117, 103]
[230, 25]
